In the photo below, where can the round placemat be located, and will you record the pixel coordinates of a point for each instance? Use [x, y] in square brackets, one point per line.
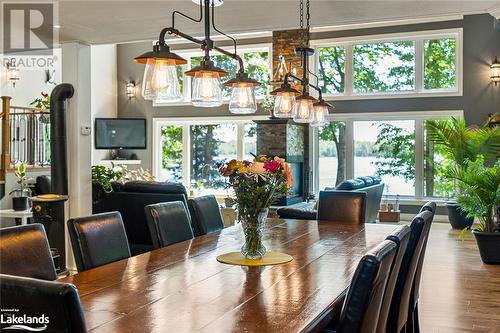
[270, 258]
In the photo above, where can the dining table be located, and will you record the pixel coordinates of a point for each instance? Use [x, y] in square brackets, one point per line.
[183, 288]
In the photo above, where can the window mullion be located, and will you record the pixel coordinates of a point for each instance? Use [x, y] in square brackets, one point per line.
[186, 154]
[419, 158]
[349, 149]
[419, 65]
[240, 130]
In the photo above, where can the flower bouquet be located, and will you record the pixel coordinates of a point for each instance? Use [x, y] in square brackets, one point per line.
[257, 185]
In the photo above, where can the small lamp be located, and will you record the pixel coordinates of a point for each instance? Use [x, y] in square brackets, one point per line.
[495, 71]
[130, 89]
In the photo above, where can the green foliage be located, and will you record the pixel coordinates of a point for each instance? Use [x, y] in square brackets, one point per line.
[439, 63]
[104, 176]
[205, 147]
[171, 137]
[42, 102]
[331, 70]
[479, 191]
[257, 67]
[23, 185]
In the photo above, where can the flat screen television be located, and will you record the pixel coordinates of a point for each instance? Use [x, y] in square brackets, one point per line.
[120, 133]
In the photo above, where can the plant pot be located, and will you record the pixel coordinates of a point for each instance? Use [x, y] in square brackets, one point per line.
[489, 246]
[20, 203]
[457, 216]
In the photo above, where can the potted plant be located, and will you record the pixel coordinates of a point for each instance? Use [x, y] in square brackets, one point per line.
[20, 200]
[480, 197]
[461, 143]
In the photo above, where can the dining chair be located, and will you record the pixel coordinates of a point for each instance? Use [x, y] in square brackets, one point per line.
[398, 313]
[168, 223]
[413, 324]
[98, 240]
[205, 215]
[25, 251]
[342, 206]
[400, 236]
[58, 302]
[361, 308]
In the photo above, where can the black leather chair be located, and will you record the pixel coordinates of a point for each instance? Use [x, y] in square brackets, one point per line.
[400, 236]
[57, 302]
[98, 240]
[168, 223]
[398, 313]
[363, 301]
[205, 215]
[342, 206]
[413, 320]
[25, 251]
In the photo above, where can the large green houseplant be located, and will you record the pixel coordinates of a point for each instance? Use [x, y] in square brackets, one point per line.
[480, 196]
[461, 143]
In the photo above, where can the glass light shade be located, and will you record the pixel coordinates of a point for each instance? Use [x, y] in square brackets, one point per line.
[148, 90]
[206, 90]
[495, 71]
[284, 105]
[304, 111]
[320, 116]
[243, 100]
[166, 80]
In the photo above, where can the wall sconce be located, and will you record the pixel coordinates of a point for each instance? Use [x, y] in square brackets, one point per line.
[12, 72]
[495, 71]
[130, 89]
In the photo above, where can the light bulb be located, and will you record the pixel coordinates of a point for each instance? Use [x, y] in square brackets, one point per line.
[283, 105]
[166, 80]
[206, 89]
[148, 90]
[243, 99]
[320, 116]
[304, 111]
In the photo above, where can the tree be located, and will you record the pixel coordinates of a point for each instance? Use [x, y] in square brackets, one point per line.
[171, 137]
[335, 131]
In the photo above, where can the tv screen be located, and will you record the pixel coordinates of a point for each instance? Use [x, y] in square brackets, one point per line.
[120, 133]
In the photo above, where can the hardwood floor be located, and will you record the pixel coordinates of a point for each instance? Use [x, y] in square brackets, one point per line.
[458, 292]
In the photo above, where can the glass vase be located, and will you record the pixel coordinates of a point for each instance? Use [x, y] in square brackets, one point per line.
[253, 226]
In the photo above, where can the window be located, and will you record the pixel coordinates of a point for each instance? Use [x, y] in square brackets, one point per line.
[410, 64]
[191, 149]
[256, 61]
[393, 146]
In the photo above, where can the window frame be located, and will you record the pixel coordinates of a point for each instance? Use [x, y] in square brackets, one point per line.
[349, 118]
[188, 53]
[185, 123]
[418, 38]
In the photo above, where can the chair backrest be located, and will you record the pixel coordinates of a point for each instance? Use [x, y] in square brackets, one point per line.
[98, 240]
[398, 313]
[205, 215]
[168, 223]
[400, 236]
[25, 251]
[342, 206]
[362, 304]
[57, 302]
[428, 218]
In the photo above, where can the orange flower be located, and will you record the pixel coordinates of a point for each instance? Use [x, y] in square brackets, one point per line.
[288, 174]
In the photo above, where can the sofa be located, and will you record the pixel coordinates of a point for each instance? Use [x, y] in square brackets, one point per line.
[371, 185]
[130, 199]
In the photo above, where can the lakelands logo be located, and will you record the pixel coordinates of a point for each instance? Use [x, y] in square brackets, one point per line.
[14, 321]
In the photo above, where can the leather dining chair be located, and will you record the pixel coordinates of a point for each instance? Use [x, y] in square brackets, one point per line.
[168, 223]
[400, 236]
[56, 301]
[413, 324]
[342, 206]
[205, 215]
[98, 240]
[398, 313]
[360, 311]
[25, 251]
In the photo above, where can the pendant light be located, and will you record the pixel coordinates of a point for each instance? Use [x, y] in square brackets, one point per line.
[320, 113]
[304, 109]
[285, 101]
[160, 75]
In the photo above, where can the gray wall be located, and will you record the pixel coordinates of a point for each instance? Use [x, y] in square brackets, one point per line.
[481, 42]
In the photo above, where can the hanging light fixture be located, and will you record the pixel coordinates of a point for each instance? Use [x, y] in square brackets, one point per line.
[495, 71]
[160, 75]
[12, 72]
[301, 106]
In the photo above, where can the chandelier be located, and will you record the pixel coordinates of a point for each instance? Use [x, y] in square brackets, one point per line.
[300, 105]
[160, 79]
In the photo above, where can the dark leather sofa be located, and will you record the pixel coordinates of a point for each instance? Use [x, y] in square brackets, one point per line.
[371, 185]
[130, 199]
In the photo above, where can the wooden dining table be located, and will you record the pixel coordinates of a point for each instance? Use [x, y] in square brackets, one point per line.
[183, 288]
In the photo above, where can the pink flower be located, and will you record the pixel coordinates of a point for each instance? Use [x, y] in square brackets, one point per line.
[272, 166]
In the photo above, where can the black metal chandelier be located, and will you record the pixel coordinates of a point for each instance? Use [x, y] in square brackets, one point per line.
[160, 75]
[300, 105]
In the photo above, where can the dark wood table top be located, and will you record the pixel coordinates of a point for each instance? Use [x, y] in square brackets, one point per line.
[182, 288]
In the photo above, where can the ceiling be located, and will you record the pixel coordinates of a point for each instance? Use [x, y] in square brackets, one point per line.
[114, 21]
